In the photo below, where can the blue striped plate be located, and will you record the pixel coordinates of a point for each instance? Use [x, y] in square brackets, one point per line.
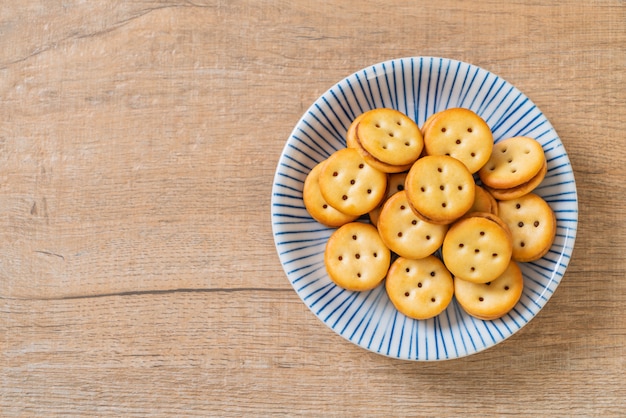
[418, 87]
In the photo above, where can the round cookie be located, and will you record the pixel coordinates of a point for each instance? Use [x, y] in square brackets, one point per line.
[483, 202]
[356, 258]
[440, 189]
[477, 249]
[513, 161]
[462, 134]
[390, 136]
[419, 289]
[353, 142]
[532, 223]
[404, 233]
[522, 189]
[349, 184]
[317, 206]
[493, 299]
[395, 183]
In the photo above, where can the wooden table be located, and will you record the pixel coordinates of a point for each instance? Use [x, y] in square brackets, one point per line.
[138, 143]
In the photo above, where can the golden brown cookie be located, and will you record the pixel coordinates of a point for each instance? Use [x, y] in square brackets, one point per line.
[395, 183]
[356, 258]
[477, 249]
[484, 202]
[462, 134]
[513, 161]
[419, 289]
[349, 184]
[317, 206]
[440, 189]
[532, 223]
[493, 299]
[353, 142]
[390, 136]
[522, 189]
[404, 233]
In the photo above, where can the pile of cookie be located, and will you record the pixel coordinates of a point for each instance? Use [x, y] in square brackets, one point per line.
[451, 214]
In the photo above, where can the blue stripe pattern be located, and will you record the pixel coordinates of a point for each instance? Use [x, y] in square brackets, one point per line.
[418, 87]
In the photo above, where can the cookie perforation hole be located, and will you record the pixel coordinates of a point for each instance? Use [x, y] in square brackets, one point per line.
[325, 206]
[481, 299]
[375, 255]
[432, 274]
[470, 130]
[344, 197]
[517, 206]
[494, 255]
[369, 191]
[335, 174]
[443, 129]
[460, 187]
[472, 268]
[443, 205]
[458, 141]
[354, 237]
[482, 233]
[399, 234]
[406, 294]
[522, 244]
[520, 224]
[433, 300]
[461, 245]
[352, 181]
[476, 250]
[414, 222]
[357, 256]
[439, 169]
[427, 237]
[419, 284]
[361, 165]
[506, 287]
[473, 154]
[402, 207]
[340, 258]
[536, 224]
[422, 189]
[358, 275]
[441, 187]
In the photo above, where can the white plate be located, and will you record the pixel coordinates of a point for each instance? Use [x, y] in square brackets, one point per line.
[417, 86]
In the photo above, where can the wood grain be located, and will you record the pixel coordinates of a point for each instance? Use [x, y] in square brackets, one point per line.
[138, 142]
